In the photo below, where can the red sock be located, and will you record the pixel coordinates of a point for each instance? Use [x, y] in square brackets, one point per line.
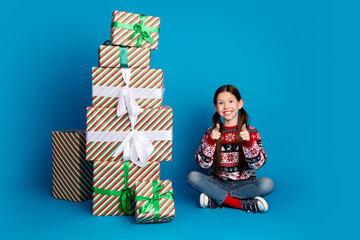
[232, 202]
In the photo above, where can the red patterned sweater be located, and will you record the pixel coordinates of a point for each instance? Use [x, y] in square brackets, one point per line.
[255, 156]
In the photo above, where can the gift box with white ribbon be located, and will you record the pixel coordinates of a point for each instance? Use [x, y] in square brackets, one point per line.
[148, 137]
[120, 87]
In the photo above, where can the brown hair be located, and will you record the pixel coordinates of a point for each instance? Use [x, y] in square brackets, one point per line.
[242, 119]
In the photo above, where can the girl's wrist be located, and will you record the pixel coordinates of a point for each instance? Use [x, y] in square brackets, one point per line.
[247, 142]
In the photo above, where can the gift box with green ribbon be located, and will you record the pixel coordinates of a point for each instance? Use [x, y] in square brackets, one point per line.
[144, 87]
[114, 186]
[154, 201]
[72, 174]
[110, 137]
[124, 57]
[135, 30]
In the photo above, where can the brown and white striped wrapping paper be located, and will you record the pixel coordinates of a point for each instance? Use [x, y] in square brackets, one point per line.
[110, 176]
[105, 132]
[72, 174]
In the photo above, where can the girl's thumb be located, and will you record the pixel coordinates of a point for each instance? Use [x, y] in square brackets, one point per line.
[243, 128]
[217, 127]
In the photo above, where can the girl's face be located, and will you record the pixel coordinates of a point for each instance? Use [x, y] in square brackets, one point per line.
[228, 108]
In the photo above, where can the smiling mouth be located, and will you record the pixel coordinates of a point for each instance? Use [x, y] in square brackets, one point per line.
[226, 113]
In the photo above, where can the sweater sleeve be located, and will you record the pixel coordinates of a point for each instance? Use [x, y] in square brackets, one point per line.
[204, 155]
[253, 150]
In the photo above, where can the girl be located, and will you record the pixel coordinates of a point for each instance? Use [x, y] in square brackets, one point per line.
[234, 151]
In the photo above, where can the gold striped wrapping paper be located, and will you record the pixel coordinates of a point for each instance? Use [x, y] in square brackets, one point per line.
[110, 176]
[72, 174]
[103, 128]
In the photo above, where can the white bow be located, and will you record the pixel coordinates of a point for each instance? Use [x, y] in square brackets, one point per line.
[127, 103]
[135, 147]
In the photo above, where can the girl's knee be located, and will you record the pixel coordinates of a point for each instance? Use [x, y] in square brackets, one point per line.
[193, 177]
[267, 184]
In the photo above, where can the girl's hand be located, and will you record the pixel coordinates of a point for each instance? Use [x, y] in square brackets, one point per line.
[244, 134]
[215, 133]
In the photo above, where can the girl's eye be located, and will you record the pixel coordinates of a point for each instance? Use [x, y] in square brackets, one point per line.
[220, 103]
[231, 101]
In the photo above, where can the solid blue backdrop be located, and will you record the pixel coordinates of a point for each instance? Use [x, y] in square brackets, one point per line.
[295, 64]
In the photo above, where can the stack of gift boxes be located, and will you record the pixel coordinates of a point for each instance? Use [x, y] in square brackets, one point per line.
[128, 130]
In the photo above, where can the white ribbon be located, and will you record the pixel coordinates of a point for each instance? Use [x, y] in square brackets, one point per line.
[136, 148]
[127, 101]
[98, 136]
[136, 92]
[135, 145]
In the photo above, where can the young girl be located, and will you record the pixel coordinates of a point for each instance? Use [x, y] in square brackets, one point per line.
[234, 151]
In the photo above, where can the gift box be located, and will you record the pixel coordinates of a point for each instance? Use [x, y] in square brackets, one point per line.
[125, 57]
[105, 133]
[71, 173]
[144, 85]
[114, 186]
[154, 201]
[135, 30]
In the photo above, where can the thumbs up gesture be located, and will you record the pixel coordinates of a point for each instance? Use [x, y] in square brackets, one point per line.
[215, 133]
[244, 134]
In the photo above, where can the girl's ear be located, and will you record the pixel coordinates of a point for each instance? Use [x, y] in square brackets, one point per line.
[241, 104]
[215, 108]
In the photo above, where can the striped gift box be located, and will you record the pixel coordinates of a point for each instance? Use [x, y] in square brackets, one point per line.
[72, 174]
[104, 129]
[110, 56]
[146, 84]
[109, 177]
[135, 30]
[154, 201]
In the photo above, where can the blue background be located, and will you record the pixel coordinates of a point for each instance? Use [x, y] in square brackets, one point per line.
[296, 65]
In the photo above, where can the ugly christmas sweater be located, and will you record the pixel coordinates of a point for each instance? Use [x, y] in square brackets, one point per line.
[255, 156]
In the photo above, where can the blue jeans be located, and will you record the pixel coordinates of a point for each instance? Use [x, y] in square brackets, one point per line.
[218, 189]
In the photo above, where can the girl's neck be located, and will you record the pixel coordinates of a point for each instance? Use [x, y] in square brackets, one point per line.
[229, 127]
[230, 123]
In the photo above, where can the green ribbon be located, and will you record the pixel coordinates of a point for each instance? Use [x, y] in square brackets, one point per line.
[126, 194]
[123, 54]
[154, 201]
[139, 28]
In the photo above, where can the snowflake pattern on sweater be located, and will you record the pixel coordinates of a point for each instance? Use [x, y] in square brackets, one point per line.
[255, 156]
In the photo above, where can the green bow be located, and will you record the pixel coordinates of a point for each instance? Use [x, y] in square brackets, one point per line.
[138, 28]
[126, 194]
[154, 201]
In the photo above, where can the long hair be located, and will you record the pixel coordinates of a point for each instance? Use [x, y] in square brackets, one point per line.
[242, 119]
